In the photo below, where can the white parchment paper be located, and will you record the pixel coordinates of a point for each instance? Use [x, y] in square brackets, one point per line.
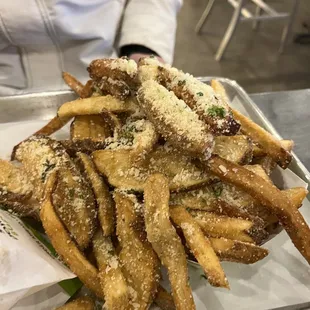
[281, 279]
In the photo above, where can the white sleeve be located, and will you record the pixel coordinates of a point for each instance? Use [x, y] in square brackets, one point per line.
[151, 23]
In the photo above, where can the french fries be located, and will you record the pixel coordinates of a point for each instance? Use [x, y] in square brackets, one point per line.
[200, 247]
[174, 120]
[112, 280]
[237, 251]
[165, 240]
[139, 261]
[95, 105]
[63, 244]
[90, 127]
[105, 202]
[143, 132]
[81, 303]
[269, 196]
[216, 226]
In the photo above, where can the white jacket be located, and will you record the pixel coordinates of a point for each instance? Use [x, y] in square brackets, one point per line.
[41, 38]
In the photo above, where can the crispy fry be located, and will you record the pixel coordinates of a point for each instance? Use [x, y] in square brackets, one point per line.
[139, 261]
[92, 127]
[269, 196]
[52, 126]
[237, 251]
[286, 144]
[73, 198]
[217, 226]
[95, 105]
[237, 149]
[163, 299]
[86, 146]
[165, 240]
[81, 303]
[296, 195]
[174, 120]
[200, 246]
[63, 244]
[116, 88]
[111, 277]
[73, 83]
[271, 145]
[201, 98]
[123, 171]
[105, 203]
[119, 69]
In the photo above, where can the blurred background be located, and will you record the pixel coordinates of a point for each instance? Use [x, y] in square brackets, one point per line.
[252, 57]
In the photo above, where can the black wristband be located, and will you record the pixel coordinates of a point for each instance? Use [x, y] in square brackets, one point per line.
[128, 50]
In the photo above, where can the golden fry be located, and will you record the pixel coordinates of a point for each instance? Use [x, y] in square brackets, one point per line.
[174, 120]
[200, 247]
[52, 126]
[240, 229]
[269, 196]
[165, 241]
[163, 299]
[73, 83]
[111, 277]
[105, 203]
[81, 303]
[237, 149]
[92, 127]
[73, 198]
[264, 139]
[237, 251]
[64, 245]
[139, 261]
[116, 88]
[95, 105]
[201, 98]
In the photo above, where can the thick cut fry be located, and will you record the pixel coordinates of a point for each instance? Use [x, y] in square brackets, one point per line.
[163, 299]
[264, 139]
[237, 251]
[200, 247]
[165, 240]
[174, 120]
[92, 127]
[105, 203]
[73, 198]
[217, 226]
[237, 149]
[139, 261]
[81, 303]
[123, 69]
[286, 144]
[200, 97]
[269, 196]
[111, 277]
[95, 105]
[86, 146]
[52, 126]
[116, 88]
[64, 245]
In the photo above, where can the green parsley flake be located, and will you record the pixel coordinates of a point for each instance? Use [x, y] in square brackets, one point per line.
[217, 189]
[200, 94]
[181, 83]
[216, 111]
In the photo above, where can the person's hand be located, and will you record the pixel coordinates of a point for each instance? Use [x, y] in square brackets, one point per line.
[137, 56]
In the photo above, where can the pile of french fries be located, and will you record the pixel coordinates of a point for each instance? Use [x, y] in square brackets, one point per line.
[158, 169]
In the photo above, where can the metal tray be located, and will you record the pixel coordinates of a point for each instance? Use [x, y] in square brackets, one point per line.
[43, 106]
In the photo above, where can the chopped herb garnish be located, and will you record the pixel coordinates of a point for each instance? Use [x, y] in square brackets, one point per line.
[200, 94]
[152, 56]
[71, 192]
[96, 89]
[215, 111]
[203, 276]
[47, 167]
[217, 189]
[181, 83]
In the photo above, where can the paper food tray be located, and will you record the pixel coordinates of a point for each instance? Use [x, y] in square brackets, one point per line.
[282, 279]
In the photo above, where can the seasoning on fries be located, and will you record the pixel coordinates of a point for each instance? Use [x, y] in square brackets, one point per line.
[158, 169]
